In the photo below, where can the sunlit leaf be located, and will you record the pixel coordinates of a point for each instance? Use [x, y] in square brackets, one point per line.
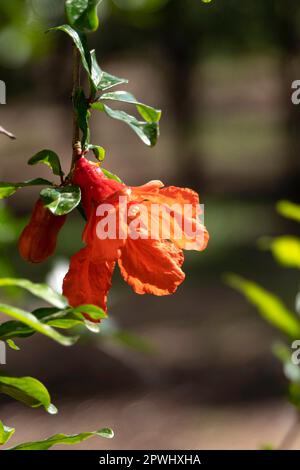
[63, 439]
[8, 189]
[269, 306]
[49, 158]
[109, 81]
[62, 200]
[39, 290]
[147, 112]
[98, 151]
[111, 176]
[289, 209]
[32, 321]
[82, 14]
[5, 433]
[27, 390]
[285, 249]
[80, 42]
[12, 344]
[147, 132]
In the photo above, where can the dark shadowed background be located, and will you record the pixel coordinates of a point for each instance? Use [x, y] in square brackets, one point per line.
[194, 370]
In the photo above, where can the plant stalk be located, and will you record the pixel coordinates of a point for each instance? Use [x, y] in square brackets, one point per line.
[76, 144]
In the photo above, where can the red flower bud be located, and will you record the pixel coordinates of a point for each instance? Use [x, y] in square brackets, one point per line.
[38, 239]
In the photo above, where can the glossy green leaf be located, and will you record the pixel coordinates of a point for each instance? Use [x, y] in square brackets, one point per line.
[147, 112]
[12, 344]
[269, 306]
[98, 151]
[5, 433]
[39, 290]
[33, 322]
[61, 201]
[109, 81]
[49, 158]
[147, 132]
[27, 390]
[80, 42]
[111, 176]
[8, 189]
[82, 14]
[289, 209]
[96, 73]
[82, 109]
[63, 319]
[96, 313]
[285, 249]
[64, 439]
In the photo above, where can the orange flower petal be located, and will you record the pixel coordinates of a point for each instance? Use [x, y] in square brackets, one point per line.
[88, 280]
[152, 266]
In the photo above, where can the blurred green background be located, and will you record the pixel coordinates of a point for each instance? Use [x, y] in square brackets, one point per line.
[222, 74]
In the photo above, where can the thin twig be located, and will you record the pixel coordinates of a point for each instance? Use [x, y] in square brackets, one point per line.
[7, 133]
[291, 434]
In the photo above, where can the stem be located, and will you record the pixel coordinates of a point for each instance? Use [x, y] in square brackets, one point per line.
[76, 144]
[291, 434]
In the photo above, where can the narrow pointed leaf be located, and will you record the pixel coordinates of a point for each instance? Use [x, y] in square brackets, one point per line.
[147, 132]
[80, 42]
[27, 390]
[111, 176]
[147, 112]
[109, 81]
[269, 306]
[8, 189]
[30, 320]
[289, 209]
[64, 439]
[49, 158]
[5, 433]
[61, 201]
[39, 290]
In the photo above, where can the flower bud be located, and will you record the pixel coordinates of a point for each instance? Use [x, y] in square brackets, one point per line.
[38, 239]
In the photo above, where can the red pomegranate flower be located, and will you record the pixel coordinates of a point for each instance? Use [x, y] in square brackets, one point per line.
[147, 240]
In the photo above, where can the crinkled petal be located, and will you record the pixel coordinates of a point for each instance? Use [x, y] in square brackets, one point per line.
[88, 280]
[152, 266]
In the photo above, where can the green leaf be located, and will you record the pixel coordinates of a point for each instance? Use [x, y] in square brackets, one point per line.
[49, 158]
[82, 14]
[269, 306]
[109, 81]
[12, 344]
[39, 290]
[5, 433]
[63, 439]
[82, 108]
[96, 73]
[80, 42]
[96, 313]
[27, 390]
[32, 321]
[289, 209]
[147, 112]
[291, 370]
[111, 176]
[285, 249]
[98, 151]
[147, 132]
[8, 189]
[61, 201]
